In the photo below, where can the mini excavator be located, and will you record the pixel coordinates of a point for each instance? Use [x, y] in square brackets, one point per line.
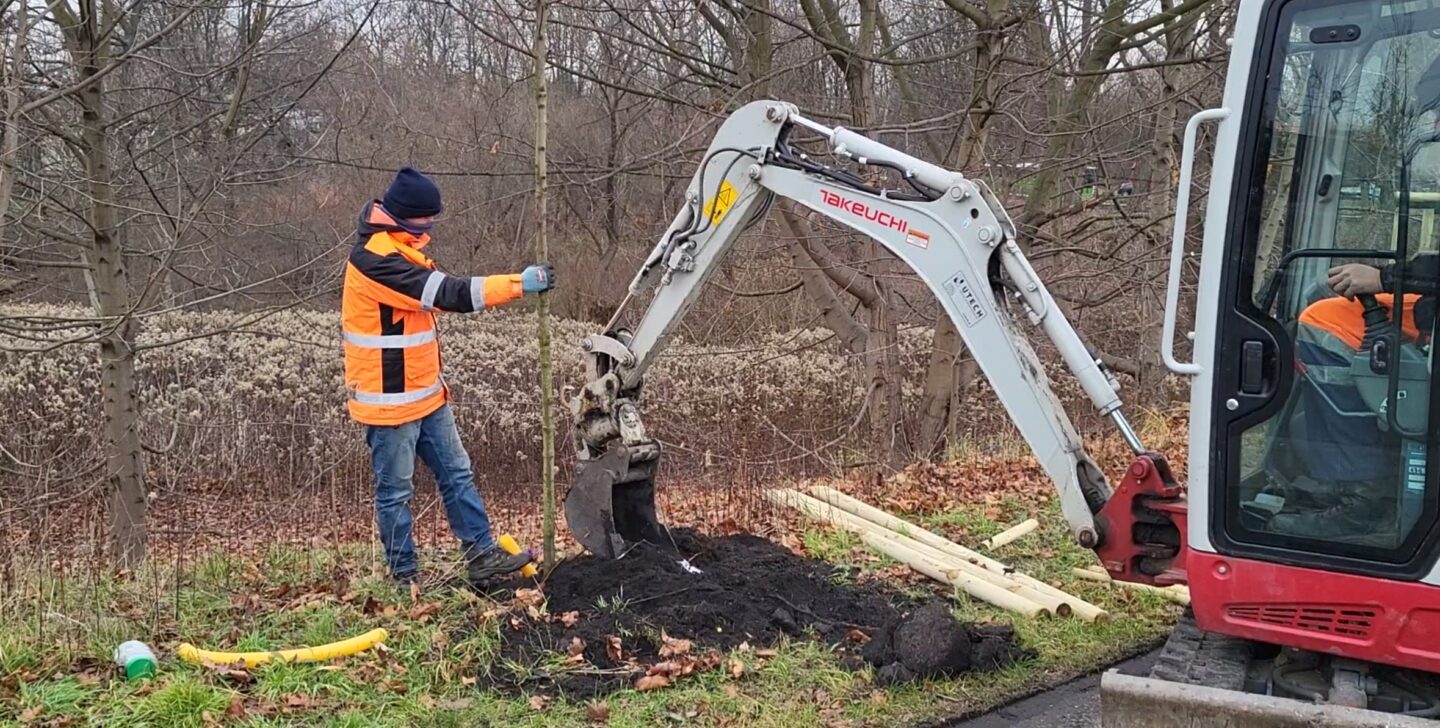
[1323, 151]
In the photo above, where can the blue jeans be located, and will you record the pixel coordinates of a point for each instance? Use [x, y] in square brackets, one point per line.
[436, 440]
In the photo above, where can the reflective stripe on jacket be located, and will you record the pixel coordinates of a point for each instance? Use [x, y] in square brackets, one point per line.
[392, 353]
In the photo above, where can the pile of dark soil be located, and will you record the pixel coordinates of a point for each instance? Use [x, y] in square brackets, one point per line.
[602, 629]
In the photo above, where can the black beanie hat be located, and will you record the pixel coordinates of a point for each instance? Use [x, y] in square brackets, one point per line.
[412, 195]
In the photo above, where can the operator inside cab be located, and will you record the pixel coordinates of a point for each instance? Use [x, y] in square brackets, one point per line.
[1352, 460]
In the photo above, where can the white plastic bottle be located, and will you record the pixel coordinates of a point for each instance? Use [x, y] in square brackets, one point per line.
[136, 658]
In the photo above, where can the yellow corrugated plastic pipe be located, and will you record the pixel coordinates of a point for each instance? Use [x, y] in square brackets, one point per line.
[194, 655]
[508, 543]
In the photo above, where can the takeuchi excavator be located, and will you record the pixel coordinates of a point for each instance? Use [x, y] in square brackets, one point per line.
[1315, 594]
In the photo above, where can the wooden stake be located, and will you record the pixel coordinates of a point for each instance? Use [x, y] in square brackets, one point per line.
[539, 52]
[1082, 609]
[1177, 593]
[1010, 534]
[969, 583]
[899, 543]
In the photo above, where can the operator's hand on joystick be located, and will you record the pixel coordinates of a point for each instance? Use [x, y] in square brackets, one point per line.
[1354, 279]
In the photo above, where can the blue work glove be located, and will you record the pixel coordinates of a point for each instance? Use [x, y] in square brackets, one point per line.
[537, 278]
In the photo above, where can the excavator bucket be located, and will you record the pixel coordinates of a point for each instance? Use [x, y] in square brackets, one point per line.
[611, 503]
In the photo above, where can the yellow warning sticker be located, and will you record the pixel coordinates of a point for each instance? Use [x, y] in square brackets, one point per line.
[716, 206]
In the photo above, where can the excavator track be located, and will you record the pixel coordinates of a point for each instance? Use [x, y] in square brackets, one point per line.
[1203, 680]
[1195, 657]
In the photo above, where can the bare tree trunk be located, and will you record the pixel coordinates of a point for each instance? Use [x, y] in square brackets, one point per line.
[941, 383]
[13, 94]
[125, 473]
[882, 360]
[944, 378]
[851, 333]
[759, 49]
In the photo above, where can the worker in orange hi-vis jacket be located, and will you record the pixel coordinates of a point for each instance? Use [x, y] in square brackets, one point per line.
[392, 371]
[1352, 453]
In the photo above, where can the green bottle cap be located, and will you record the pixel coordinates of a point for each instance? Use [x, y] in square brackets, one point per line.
[138, 668]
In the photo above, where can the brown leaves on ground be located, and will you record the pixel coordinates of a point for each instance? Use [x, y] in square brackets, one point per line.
[538, 702]
[613, 650]
[422, 612]
[671, 647]
[576, 651]
[652, 682]
[597, 712]
[679, 665]
[529, 601]
[235, 674]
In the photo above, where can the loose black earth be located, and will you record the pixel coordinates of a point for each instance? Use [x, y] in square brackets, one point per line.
[750, 591]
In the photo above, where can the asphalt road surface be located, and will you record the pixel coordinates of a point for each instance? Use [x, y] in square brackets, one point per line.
[1075, 704]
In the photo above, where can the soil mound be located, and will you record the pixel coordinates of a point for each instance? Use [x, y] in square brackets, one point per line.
[610, 623]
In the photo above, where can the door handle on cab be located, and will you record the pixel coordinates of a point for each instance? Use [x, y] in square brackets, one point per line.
[1177, 241]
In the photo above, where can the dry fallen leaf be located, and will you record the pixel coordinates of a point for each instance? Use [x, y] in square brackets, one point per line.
[423, 612]
[857, 636]
[598, 712]
[454, 703]
[612, 648]
[538, 702]
[766, 653]
[671, 647]
[235, 675]
[530, 597]
[570, 619]
[732, 692]
[30, 714]
[236, 709]
[296, 700]
[576, 650]
[668, 668]
[652, 682]
[737, 668]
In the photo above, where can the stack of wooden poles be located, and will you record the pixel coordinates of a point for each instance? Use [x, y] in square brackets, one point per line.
[939, 558]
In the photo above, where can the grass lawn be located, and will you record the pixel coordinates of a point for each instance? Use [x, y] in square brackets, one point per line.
[55, 648]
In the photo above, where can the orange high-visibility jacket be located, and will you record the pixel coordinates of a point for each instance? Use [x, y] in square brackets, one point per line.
[392, 355]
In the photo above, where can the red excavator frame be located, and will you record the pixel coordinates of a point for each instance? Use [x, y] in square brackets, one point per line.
[1364, 618]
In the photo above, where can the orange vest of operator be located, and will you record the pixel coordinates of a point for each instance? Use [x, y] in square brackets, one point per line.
[392, 291]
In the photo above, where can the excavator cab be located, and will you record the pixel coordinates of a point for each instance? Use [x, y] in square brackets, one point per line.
[1325, 402]
[1314, 512]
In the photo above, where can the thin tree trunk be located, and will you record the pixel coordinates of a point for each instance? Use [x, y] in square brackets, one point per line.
[13, 94]
[759, 49]
[542, 254]
[941, 380]
[125, 473]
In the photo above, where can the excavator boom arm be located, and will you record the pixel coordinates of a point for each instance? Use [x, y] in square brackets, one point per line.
[948, 229]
